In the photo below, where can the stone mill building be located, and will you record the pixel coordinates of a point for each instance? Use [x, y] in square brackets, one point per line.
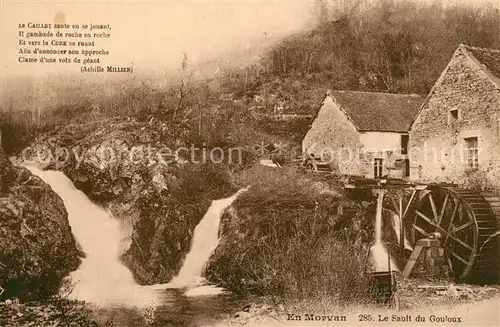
[456, 134]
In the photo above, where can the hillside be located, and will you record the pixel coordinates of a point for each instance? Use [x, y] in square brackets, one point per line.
[399, 48]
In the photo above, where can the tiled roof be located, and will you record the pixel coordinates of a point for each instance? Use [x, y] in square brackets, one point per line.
[488, 58]
[384, 112]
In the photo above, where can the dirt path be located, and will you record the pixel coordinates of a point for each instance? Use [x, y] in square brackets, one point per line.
[422, 303]
[482, 313]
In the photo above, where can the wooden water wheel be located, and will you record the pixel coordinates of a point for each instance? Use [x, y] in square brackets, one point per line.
[464, 220]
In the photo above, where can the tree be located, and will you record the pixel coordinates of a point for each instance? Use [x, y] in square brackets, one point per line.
[321, 8]
[185, 84]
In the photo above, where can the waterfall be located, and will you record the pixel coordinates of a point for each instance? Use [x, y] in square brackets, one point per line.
[379, 253]
[378, 218]
[396, 221]
[101, 278]
[205, 240]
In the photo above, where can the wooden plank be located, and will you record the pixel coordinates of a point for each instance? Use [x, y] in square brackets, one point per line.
[411, 263]
[432, 287]
[494, 204]
[459, 228]
[434, 210]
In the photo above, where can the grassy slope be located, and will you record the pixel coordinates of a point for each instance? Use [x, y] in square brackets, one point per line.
[288, 238]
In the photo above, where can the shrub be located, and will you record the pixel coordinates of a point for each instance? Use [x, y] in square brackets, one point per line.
[202, 181]
[15, 133]
[285, 239]
[57, 310]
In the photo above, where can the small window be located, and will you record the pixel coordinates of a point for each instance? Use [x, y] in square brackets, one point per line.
[454, 115]
[404, 144]
[377, 167]
[472, 152]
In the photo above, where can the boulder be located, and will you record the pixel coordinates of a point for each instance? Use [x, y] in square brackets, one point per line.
[126, 165]
[37, 248]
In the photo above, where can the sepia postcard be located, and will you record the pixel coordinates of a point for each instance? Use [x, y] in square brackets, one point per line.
[249, 163]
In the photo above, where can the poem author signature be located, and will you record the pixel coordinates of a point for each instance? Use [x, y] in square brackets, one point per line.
[107, 69]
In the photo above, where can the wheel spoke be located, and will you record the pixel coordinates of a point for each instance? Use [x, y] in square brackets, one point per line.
[456, 239]
[433, 205]
[412, 197]
[457, 229]
[461, 214]
[420, 230]
[450, 226]
[455, 208]
[427, 219]
[445, 203]
[465, 245]
[465, 262]
[452, 213]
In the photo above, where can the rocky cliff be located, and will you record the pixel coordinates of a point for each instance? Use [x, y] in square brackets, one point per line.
[129, 166]
[37, 248]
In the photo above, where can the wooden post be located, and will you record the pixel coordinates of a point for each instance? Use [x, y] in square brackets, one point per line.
[389, 264]
[401, 228]
[378, 216]
[246, 78]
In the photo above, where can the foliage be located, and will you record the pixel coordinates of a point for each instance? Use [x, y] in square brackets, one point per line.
[15, 133]
[287, 240]
[394, 46]
[57, 310]
[389, 46]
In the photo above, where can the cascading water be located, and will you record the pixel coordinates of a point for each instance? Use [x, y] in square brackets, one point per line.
[101, 278]
[378, 251]
[378, 218]
[205, 240]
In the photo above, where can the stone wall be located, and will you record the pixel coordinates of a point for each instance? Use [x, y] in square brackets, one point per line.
[384, 145]
[334, 137]
[332, 132]
[437, 139]
[427, 261]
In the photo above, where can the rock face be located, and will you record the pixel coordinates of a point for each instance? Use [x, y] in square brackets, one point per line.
[130, 167]
[37, 248]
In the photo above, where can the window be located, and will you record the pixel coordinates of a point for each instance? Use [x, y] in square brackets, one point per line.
[472, 152]
[377, 167]
[453, 115]
[404, 144]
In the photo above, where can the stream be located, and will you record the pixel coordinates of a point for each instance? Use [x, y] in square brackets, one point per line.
[104, 282]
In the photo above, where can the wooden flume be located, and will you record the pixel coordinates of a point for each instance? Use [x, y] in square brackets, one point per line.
[464, 221]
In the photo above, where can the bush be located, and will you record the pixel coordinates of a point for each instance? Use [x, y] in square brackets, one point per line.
[285, 239]
[209, 181]
[57, 310]
[15, 133]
